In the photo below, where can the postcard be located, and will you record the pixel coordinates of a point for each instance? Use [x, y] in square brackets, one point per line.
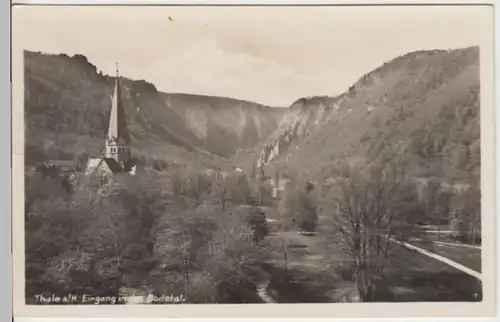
[253, 161]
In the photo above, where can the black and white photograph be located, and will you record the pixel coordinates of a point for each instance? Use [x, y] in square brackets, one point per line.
[253, 155]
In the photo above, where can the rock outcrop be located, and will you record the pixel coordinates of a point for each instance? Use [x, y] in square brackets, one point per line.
[424, 105]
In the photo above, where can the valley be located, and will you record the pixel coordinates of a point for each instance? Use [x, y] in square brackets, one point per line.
[299, 200]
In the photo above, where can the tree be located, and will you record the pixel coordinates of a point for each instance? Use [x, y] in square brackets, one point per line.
[238, 188]
[116, 234]
[222, 259]
[307, 213]
[467, 216]
[182, 234]
[253, 175]
[431, 199]
[233, 260]
[261, 191]
[298, 207]
[474, 209]
[41, 187]
[258, 224]
[135, 232]
[48, 229]
[367, 208]
[96, 240]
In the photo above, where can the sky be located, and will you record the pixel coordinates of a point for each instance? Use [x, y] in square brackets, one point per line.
[269, 55]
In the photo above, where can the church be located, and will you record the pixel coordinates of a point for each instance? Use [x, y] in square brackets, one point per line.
[117, 157]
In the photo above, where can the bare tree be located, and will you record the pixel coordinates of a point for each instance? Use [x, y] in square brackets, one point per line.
[253, 175]
[368, 206]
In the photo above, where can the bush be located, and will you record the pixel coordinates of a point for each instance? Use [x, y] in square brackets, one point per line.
[298, 208]
[258, 224]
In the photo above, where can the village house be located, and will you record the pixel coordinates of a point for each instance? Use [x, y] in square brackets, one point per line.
[217, 174]
[57, 168]
[279, 186]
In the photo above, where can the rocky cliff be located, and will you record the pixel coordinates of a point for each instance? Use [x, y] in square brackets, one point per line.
[303, 117]
[424, 104]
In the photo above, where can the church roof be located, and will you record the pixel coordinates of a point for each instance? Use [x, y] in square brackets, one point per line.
[113, 165]
[117, 129]
[94, 163]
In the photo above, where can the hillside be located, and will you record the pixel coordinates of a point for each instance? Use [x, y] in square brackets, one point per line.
[69, 95]
[424, 105]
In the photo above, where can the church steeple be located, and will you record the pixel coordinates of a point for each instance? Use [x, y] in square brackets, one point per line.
[118, 137]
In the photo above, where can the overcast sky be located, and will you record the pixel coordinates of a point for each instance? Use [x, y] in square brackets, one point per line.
[271, 55]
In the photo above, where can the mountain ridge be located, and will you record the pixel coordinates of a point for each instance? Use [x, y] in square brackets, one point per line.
[68, 94]
[420, 102]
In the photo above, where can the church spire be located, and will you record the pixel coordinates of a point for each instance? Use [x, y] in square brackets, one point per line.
[117, 129]
[118, 138]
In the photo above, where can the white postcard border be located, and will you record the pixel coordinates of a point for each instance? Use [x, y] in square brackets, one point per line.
[257, 310]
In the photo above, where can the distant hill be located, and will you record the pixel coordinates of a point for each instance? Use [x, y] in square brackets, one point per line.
[68, 101]
[425, 105]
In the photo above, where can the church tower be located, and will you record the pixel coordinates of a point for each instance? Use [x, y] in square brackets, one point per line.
[118, 145]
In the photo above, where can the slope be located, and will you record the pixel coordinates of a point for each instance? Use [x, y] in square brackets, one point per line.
[423, 104]
[67, 95]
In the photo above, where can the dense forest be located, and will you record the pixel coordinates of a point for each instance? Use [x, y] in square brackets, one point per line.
[172, 232]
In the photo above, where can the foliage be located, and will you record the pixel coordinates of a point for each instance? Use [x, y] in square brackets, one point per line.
[466, 219]
[298, 207]
[257, 221]
[425, 105]
[136, 232]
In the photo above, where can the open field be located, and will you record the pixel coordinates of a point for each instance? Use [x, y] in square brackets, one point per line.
[446, 235]
[318, 272]
[309, 274]
[415, 277]
[469, 257]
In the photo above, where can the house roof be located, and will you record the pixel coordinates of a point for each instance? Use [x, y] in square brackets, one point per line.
[94, 163]
[113, 165]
